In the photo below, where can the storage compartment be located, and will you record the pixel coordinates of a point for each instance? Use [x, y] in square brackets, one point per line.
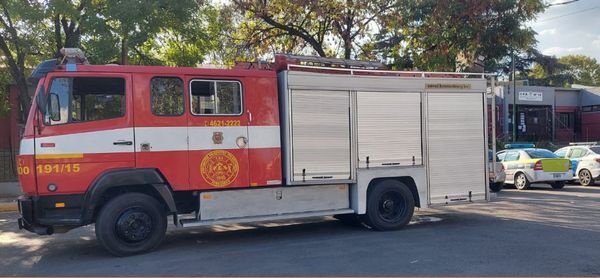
[456, 147]
[389, 129]
[320, 132]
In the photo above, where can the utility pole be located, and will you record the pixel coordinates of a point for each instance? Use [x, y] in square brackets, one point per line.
[514, 110]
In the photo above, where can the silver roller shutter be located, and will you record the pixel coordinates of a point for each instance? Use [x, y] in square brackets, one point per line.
[320, 131]
[389, 128]
[456, 146]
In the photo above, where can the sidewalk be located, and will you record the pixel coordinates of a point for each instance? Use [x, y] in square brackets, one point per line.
[9, 191]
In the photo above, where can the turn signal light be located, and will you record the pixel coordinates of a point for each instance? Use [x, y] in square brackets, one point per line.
[538, 166]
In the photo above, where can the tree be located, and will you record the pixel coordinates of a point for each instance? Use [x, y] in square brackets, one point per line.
[132, 23]
[21, 37]
[433, 35]
[328, 28]
[585, 70]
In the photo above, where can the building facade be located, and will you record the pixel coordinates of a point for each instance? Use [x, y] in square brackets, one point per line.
[550, 114]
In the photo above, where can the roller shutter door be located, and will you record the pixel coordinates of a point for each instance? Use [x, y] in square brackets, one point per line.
[389, 128]
[320, 135]
[456, 147]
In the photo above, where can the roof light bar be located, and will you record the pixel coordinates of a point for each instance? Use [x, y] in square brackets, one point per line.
[519, 146]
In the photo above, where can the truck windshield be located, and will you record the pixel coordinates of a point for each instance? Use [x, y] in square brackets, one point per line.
[540, 154]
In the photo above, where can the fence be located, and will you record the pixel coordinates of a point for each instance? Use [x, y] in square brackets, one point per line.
[8, 171]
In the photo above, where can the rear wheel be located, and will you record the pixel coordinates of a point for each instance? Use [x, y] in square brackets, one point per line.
[585, 177]
[496, 186]
[131, 223]
[521, 182]
[558, 185]
[390, 206]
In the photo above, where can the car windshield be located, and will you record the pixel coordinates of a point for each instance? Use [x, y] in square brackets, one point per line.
[596, 150]
[540, 153]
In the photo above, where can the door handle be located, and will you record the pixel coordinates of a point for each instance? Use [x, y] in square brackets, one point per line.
[126, 143]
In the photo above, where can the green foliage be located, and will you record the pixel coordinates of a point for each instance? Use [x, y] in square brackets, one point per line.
[5, 81]
[585, 70]
[564, 71]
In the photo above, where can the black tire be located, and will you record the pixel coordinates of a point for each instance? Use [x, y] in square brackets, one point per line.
[131, 223]
[585, 177]
[350, 219]
[496, 186]
[557, 185]
[390, 206]
[521, 182]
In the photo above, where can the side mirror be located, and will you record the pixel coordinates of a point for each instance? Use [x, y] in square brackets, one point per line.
[54, 107]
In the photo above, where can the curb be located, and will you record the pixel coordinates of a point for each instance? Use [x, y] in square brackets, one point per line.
[8, 206]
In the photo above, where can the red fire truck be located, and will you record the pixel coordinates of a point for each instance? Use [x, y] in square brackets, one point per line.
[125, 147]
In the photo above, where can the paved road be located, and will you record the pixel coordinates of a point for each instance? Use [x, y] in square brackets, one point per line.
[537, 232]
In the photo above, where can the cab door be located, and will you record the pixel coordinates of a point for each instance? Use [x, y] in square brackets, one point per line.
[218, 134]
[161, 127]
[90, 132]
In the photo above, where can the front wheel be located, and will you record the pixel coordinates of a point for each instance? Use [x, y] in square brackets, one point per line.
[390, 206]
[558, 185]
[585, 177]
[131, 223]
[521, 182]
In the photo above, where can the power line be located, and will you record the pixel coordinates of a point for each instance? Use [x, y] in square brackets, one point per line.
[561, 3]
[575, 12]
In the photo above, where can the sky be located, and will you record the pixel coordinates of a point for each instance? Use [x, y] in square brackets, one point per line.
[569, 29]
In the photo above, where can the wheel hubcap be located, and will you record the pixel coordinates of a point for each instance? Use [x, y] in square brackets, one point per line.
[391, 206]
[134, 225]
[520, 181]
[584, 177]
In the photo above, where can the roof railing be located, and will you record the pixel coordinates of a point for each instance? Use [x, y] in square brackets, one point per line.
[584, 143]
[320, 64]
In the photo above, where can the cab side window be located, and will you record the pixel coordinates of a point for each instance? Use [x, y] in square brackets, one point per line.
[562, 152]
[578, 153]
[84, 99]
[501, 156]
[213, 97]
[511, 156]
[167, 96]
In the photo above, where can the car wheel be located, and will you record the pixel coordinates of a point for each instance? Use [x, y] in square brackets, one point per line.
[585, 177]
[131, 223]
[390, 206]
[558, 185]
[521, 182]
[496, 186]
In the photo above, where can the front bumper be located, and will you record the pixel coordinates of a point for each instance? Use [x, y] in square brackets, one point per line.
[39, 215]
[27, 219]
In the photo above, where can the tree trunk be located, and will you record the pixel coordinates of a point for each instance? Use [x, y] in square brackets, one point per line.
[57, 36]
[124, 50]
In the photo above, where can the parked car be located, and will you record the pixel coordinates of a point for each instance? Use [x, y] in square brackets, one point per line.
[585, 160]
[496, 173]
[525, 165]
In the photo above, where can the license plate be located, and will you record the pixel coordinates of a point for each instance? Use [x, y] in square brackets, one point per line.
[556, 175]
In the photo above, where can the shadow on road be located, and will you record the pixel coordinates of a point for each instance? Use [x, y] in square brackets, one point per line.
[536, 232]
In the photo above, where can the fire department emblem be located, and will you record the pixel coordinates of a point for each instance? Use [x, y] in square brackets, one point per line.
[219, 168]
[217, 137]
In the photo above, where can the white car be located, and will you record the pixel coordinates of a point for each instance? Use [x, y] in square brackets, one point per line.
[585, 159]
